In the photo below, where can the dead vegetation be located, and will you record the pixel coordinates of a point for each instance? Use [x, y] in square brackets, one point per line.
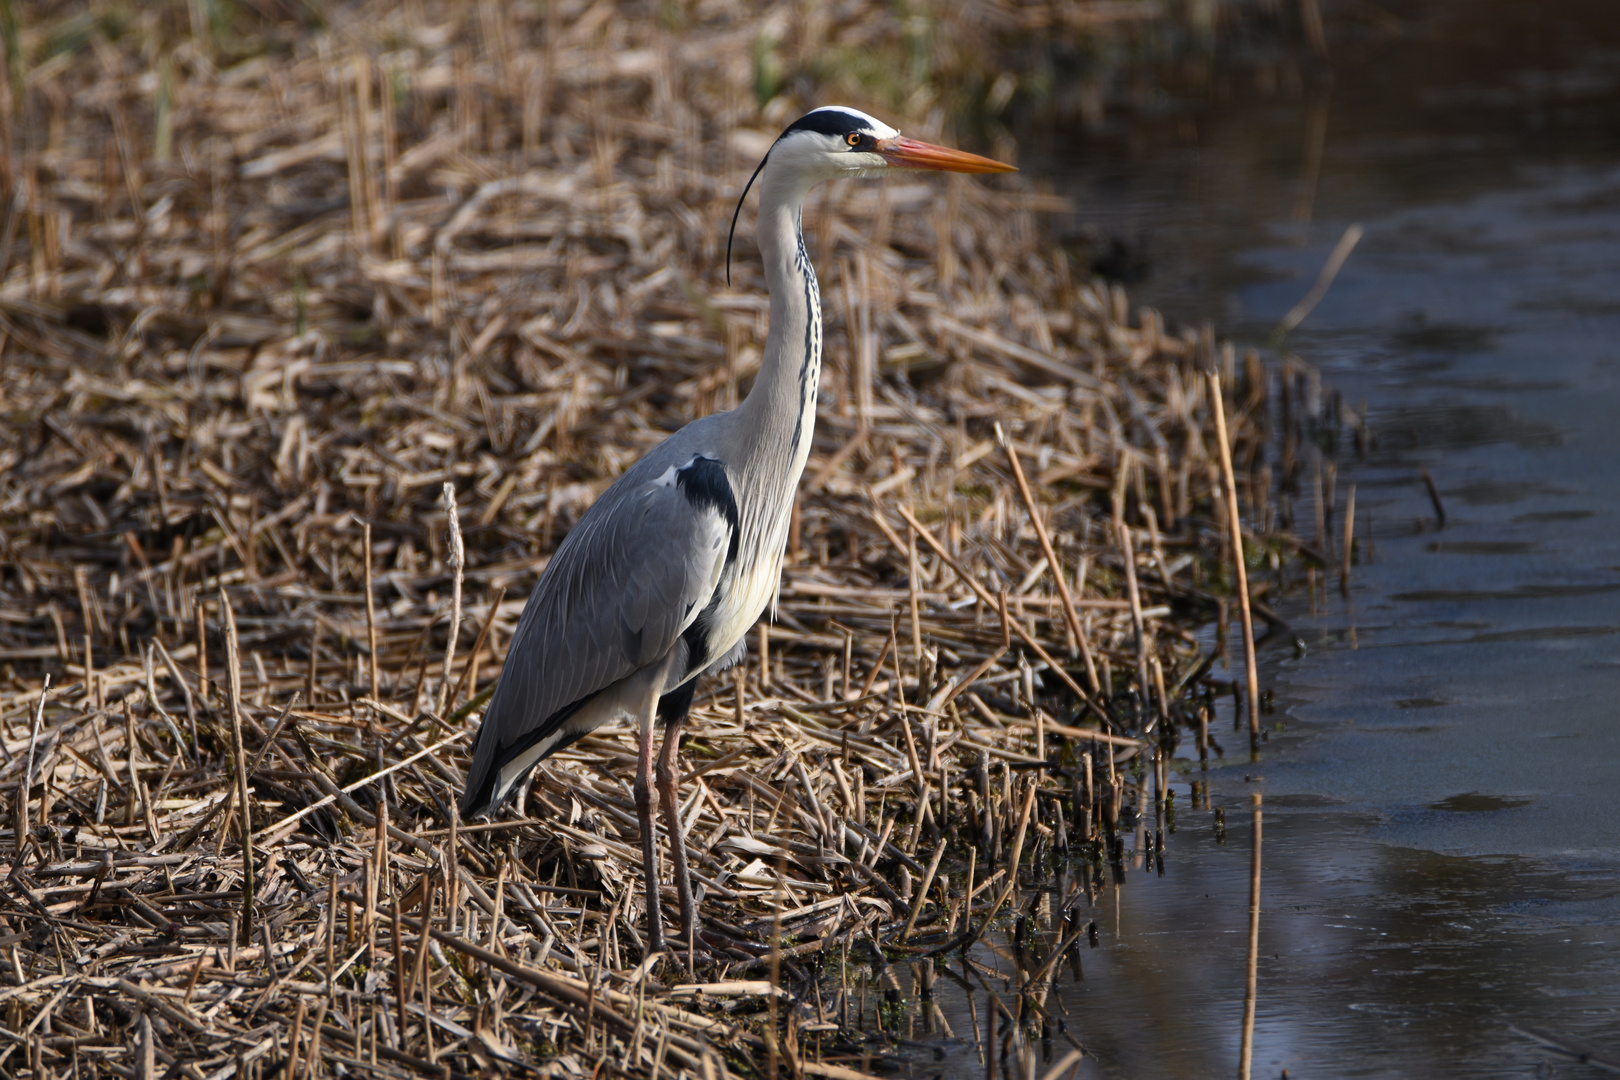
[256, 311]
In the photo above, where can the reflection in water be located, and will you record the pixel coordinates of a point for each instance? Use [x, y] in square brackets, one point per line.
[1499, 492]
[1377, 959]
[1517, 592]
[1452, 339]
[1555, 515]
[1547, 633]
[1251, 981]
[1474, 803]
[1455, 426]
[1441, 848]
[1483, 547]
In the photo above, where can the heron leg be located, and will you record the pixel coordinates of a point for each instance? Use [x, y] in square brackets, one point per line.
[649, 837]
[668, 789]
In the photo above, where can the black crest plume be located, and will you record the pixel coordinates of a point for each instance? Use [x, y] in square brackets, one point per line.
[829, 120]
[735, 213]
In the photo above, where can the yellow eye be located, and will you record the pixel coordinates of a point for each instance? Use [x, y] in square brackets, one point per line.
[853, 138]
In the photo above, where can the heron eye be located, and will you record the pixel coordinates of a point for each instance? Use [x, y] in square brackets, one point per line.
[853, 138]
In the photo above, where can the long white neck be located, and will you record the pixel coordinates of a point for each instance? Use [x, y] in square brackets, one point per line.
[779, 413]
[767, 437]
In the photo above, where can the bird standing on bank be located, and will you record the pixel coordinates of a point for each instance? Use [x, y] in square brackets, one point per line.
[664, 575]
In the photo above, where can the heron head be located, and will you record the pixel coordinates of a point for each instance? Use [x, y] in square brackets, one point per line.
[836, 140]
[839, 141]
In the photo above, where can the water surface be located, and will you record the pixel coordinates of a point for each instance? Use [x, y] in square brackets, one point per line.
[1442, 831]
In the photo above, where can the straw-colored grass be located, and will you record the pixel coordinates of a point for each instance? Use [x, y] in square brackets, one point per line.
[257, 296]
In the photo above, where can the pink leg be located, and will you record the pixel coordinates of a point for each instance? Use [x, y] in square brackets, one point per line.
[668, 783]
[649, 834]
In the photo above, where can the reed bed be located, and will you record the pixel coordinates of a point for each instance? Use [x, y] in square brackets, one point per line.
[311, 357]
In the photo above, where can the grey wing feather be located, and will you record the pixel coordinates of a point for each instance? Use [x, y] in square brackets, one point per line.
[626, 583]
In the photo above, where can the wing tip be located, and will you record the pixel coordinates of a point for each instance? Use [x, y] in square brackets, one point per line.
[478, 799]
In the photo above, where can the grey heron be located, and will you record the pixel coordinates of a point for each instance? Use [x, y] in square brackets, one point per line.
[662, 578]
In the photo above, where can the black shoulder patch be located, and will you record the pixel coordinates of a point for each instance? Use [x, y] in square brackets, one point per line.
[829, 122]
[705, 486]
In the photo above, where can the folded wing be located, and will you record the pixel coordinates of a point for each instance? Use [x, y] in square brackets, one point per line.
[636, 571]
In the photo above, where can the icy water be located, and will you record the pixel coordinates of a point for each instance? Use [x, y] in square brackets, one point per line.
[1442, 805]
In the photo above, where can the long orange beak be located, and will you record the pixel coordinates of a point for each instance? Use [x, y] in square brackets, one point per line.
[912, 154]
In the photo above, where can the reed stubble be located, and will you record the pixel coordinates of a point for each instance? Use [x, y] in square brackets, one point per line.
[272, 441]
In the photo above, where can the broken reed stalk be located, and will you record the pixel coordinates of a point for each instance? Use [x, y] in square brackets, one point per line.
[399, 966]
[244, 807]
[296, 1038]
[1318, 492]
[990, 1039]
[469, 673]
[1068, 1061]
[1235, 525]
[377, 880]
[1127, 555]
[330, 937]
[373, 662]
[1055, 568]
[984, 595]
[338, 795]
[202, 647]
[919, 778]
[1014, 857]
[772, 1047]
[1349, 540]
[912, 606]
[1324, 281]
[764, 637]
[450, 859]
[313, 670]
[989, 662]
[1246, 1053]
[922, 892]
[23, 830]
[457, 561]
[1434, 498]
[1310, 17]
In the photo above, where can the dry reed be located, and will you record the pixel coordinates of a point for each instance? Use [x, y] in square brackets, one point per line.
[264, 321]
